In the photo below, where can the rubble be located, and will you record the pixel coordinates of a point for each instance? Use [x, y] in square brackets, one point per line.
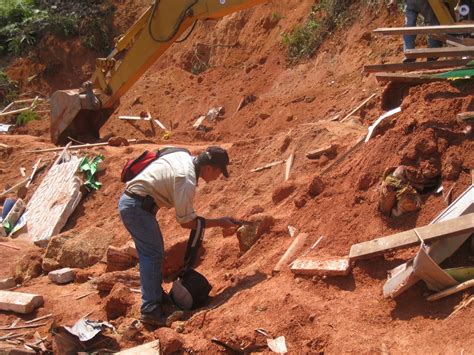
[108, 280]
[333, 267]
[76, 249]
[62, 276]
[19, 302]
[7, 283]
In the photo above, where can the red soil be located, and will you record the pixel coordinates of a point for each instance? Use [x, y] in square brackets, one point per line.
[291, 114]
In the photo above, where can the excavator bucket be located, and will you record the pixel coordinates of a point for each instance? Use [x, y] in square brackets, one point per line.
[77, 115]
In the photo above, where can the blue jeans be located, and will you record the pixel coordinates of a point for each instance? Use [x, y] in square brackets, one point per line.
[412, 9]
[146, 234]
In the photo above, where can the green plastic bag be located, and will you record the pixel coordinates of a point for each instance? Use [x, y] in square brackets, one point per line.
[89, 168]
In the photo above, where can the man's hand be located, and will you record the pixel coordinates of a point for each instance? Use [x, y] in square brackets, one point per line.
[229, 222]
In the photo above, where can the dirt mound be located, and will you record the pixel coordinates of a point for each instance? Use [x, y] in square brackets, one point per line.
[293, 113]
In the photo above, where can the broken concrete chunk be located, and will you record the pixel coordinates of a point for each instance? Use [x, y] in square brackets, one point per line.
[334, 267]
[19, 302]
[62, 276]
[152, 348]
[7, 283]
[54, 201]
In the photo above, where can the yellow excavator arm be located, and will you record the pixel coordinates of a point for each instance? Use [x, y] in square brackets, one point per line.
[85, 110]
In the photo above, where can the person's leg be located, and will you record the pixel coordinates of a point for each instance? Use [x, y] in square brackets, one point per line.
[431, 20]
[146, 234]
[410, 21]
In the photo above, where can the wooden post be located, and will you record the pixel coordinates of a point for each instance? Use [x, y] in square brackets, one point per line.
[294, 247]
[72, 147]
[358, 107]
[451, 290]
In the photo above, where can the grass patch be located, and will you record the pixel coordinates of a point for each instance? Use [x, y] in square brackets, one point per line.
[8, 89]
[26, 116]
[24, 22]
[304, 40]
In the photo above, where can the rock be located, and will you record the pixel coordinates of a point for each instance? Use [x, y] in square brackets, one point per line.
[76, 249]
[286, 143]
[329, 151]
[28, 267]
[170, 341]
[118, 142]
[300, 202]
[19, 302]
[316, 186]
[118, 301]
[248, 234]
[129, 278]
[452, 168]
[62, 276]
[121, 258]
[7, 283]
[282, 191]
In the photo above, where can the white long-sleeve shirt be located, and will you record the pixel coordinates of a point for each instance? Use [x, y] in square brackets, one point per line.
[171, 181]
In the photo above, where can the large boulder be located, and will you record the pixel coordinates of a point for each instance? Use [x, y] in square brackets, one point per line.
[76, 249]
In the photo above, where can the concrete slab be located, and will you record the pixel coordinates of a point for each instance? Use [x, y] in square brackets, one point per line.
[333, 267]
[19, 302]
[54, 201]
[152, 348]
[62, 276]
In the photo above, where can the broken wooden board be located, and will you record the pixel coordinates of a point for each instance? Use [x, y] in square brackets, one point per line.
[429, 233]
[334, 267]
[436, 64]
[363, 103]
[152, 348]
[289, 164]
[440, 52]
[390, 31]
[53, 202]
[19, 302]
[451, 290]
[294, 247]
[403, 277]
[407, 78]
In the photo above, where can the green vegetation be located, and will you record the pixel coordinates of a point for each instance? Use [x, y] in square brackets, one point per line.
[304, 40]
[8, 89]
[26, 116]
[24, 22]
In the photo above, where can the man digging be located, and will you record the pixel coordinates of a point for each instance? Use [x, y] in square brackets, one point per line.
[169, 181]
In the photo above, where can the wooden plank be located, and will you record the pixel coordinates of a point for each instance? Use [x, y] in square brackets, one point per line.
[289, 164]
[429, 233]
[451, 290]
[294, 247]
[390, 31]
[407, 78]
[72, 147]
[436, 64]
[439, 52]
[267, 166]
[15, 187]
[359, 107]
